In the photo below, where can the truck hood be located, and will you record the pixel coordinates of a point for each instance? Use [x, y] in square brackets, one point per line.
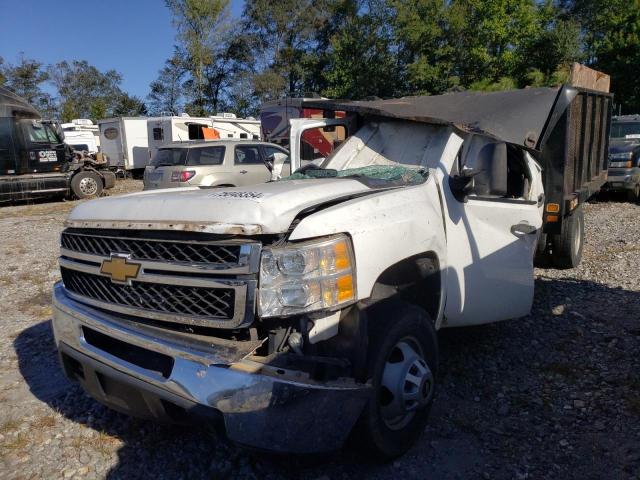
[265, 208]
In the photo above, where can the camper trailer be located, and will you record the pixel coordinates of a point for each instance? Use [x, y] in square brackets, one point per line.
[124, 141]
[169, 129]
[82, 135]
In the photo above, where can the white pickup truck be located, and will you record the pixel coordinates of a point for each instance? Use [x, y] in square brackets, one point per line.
[298, 310]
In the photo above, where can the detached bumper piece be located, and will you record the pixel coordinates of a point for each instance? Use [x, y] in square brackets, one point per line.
[152, 377]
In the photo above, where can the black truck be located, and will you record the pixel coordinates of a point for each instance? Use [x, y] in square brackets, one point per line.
[36, 163]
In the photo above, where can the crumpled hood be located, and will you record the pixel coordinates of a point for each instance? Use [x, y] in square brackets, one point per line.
[624, 146]
[264, 208]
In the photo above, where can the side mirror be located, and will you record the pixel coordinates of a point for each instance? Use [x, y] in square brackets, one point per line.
[462, 185]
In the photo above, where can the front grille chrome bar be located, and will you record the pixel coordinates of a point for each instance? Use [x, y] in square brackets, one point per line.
[216, 295]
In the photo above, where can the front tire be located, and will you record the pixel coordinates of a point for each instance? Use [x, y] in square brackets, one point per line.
[402, 365]
[86, 184]
[634, 195]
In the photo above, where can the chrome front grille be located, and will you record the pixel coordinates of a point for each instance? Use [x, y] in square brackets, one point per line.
[151, 249]
[201, 281]
[206, 303]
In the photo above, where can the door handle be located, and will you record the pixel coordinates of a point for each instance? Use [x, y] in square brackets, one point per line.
[243, 171]
[522, 229]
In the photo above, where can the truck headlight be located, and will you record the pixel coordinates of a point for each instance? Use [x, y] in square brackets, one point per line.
[306, 277]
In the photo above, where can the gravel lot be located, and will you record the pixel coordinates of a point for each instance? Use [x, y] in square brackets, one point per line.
[553, 395]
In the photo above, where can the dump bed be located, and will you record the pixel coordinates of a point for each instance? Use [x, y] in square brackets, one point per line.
[575, 155]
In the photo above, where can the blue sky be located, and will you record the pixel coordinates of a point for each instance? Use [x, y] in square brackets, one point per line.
[134, 37]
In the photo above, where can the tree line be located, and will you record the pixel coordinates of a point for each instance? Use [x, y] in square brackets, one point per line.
[352, 49]
[82, 91]
[387, 48]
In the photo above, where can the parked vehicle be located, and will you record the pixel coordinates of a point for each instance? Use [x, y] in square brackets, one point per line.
[317, 143]
[80, 135]
[218, 163]
[163, 130]
[624, 156]
[36, 163]
[124, 141]
[296, 310]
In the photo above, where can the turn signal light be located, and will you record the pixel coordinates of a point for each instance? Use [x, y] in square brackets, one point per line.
[552, 218]
[553, 207]
[183, 176]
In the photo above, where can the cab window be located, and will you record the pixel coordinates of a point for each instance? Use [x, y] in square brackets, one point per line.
[319, 143]
[38, 132]
[268, 151]
[502, 170]
[247, 155]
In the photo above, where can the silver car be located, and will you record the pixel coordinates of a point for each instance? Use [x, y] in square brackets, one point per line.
[214, 163]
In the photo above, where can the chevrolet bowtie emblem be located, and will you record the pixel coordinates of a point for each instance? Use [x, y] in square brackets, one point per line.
[120, 269]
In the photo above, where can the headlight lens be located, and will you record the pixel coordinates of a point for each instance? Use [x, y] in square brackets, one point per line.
[307, 277]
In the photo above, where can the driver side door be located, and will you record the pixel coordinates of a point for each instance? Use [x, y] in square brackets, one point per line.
[492, 236]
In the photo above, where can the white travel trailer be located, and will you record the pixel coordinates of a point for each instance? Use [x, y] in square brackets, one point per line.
[82, 134]
[162, 130]
[124, 141]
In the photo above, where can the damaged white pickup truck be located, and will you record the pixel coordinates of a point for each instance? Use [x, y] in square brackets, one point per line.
[301, 310]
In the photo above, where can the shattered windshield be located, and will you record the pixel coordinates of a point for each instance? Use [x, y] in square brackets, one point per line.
[392, 174]
[383, 153]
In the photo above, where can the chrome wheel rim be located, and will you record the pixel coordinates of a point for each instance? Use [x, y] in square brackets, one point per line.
[88, 186]
[406, 384]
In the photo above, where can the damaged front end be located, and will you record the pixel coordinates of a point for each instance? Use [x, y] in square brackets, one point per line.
[163, 325]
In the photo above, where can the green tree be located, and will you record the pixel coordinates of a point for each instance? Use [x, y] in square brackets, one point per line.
[282, 37]
[362, 62]
[129, 106]
[84, 91]
[201, 26]
[611, 42]
[26, 79]
[166, 91]
[423, 29]
[2, 76]
[618, 53]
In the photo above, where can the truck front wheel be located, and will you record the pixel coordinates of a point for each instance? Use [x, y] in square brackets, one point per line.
[567, 246]
[402, 364]
[86, 184]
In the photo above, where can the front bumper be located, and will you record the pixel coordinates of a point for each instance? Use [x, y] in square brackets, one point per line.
[270, 410]
[622, 179]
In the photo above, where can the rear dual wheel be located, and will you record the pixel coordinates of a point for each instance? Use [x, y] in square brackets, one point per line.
[567, 247]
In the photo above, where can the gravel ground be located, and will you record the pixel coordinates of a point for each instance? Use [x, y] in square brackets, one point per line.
[553, 395]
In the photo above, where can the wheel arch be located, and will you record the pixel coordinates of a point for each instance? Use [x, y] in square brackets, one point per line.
[416, 280]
